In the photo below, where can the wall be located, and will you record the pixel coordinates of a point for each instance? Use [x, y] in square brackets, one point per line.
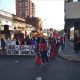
[72, 10]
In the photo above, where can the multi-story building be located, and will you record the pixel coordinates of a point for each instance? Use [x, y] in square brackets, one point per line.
[25, 8]
[72, 16]
[33, 9]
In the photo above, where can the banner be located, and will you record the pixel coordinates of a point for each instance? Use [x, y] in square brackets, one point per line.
[20, 50]
[23, 50]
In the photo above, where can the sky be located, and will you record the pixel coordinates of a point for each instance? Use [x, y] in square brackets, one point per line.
[51, 12]
[8, 5]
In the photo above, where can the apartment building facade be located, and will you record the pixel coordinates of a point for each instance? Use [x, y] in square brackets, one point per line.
[25, 8]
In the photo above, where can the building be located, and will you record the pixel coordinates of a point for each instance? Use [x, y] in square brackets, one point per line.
[6, 24]
[22, 26]
[35, 22]
[11, 24]
[33, 9]
[72, 16]
[68, 0]
[25, 8]
[19, 24]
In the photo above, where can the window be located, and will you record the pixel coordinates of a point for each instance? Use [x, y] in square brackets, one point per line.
[20, 4]
[25, 3]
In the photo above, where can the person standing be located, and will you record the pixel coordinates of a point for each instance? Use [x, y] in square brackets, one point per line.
[76, 43]
[43, 51]
[62, 42]
[53, 48]
[3, 44]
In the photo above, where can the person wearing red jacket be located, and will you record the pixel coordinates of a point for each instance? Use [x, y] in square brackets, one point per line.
[43, 51]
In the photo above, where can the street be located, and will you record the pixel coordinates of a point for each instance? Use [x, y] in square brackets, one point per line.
[24, 68]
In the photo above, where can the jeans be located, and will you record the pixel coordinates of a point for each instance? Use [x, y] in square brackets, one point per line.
[62, 46]
[44, 56]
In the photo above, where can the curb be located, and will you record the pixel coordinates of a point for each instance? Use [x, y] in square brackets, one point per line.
[69, 58]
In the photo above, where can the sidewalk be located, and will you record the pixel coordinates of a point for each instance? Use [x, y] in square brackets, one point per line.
[69, 53]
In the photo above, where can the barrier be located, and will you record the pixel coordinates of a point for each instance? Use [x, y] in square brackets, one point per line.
[20, 50]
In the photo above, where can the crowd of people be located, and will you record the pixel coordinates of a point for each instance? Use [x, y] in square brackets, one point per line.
[52, 44]
[42, 45]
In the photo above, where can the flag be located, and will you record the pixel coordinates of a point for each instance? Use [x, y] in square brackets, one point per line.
[25, 33]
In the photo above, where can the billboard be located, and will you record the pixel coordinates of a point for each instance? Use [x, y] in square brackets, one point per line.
[72, 10]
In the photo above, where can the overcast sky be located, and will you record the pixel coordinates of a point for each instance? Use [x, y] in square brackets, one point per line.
[50, 11]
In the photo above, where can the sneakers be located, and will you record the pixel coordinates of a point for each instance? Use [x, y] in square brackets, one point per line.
[45, 63]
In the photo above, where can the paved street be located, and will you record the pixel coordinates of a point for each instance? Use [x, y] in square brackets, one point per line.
[24, 68]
